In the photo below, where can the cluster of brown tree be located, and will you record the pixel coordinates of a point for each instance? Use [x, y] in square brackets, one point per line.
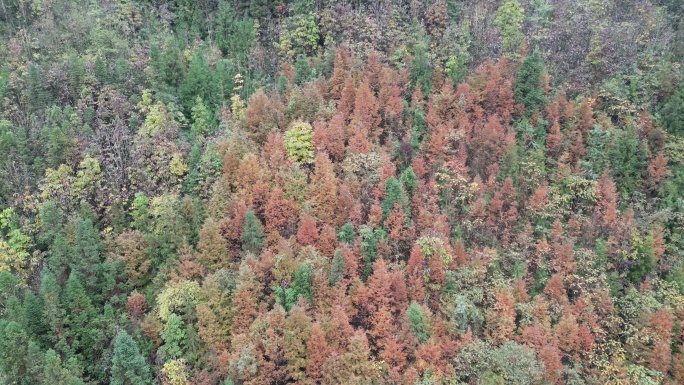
[341, 192]
[455, 238]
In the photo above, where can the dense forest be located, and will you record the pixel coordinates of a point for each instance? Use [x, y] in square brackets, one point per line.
[228, 192]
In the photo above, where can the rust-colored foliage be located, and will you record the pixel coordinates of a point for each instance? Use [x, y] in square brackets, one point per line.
[432, 229]
[281, 214]
[317, 352]
[213, 248]
[136, 306]
[348, 96]
[327, 242]
[308, 232]
[324, 189]
[607, 206]
[500, 323]
[656, 171]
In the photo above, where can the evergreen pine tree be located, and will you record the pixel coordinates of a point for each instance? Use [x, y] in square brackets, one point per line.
[34, 361]
[172, 66]
[50, 219]
[409, 180]
[122, 71]
[417, 322]
[9, 288]
[301, 287]
[55, 373]
[673, 112]
[202, 119]
[14, 353]
[34, 318]
[37, 95]
[49, 293]
[281, 86]
[421, 63]
[260, 9]
[252, 234]
[173, 337]
[128, 365]
[394, 193]
[101, 71]
[76, 72]
[628, 158]
[79, 316]
[528, 85]
[302, 70]
[347, 233]
[86, 253]
[337, 268]
[419, 127]
[234, 36]
[199, 81]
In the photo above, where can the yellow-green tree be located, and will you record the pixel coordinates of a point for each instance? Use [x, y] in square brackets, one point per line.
[14, 245]
[509, 19]
[299, 142]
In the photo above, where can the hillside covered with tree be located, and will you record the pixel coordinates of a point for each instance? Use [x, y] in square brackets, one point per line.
[229, 192]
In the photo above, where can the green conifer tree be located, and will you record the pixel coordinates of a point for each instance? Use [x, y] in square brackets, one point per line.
[57, 374]
[302, 70]
[101, 71]
[281, 86]
[75, 75]
[394, 193]
[49, 293]
[528, 85]
[202, 119]
[301, 287]
[173, 337]
[409, 180]
[128, 365]
[417, 322]
[421, 63]
[37, 95]
[337, 268]
[234, 36]
[122, 71]
[252, 234]
[347, 233]
[419, 127]
[199, 81]
[34, 318]
[172, 66]
[79, 315]
[673, 112]
[86, 253]
[260, 9]
[14, 353]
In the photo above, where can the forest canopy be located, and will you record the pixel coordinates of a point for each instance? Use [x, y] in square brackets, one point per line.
[245, 192]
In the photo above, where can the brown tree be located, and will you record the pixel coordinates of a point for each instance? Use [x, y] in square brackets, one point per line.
[281, 214]
[317, 353]
[214, 253]
[500, 323]
[324, 189]
[308, 232]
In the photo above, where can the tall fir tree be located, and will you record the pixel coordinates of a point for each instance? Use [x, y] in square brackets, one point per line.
[58, 373]
[128, 365]
[529, 90]
[673, 112]
[421, 64]
[252, 234]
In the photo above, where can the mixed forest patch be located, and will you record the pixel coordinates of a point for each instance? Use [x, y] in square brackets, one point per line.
[229, 192]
